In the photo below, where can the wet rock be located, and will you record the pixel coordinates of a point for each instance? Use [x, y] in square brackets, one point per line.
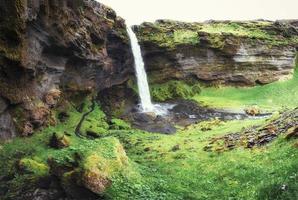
[59, 141]
[145, 117]
[160, 127]
[183, 113]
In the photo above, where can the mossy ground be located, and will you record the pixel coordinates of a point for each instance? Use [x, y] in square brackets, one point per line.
[170, 166]
[271, 97]
[24, 161]
[188, 172]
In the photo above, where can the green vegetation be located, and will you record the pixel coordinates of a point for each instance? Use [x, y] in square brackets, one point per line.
[119, 124]
[31, 166]
[95, 122]
[249, 29]
[169, 166]
[171, 33]
[185, 37]
[170, 90]
[173, 90]
[274, 96]
[171, 39]
[191, 173]
[156, 166]
[27, 160]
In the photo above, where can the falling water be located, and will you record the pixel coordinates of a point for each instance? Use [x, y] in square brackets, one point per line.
[144, 92]
[143, 86]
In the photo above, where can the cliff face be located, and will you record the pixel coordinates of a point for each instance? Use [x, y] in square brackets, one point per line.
[231, 53]
[51, 50]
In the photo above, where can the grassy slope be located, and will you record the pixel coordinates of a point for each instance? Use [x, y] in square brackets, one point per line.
[188, 172]
[270, 97]
[191, 173]
[269, 172]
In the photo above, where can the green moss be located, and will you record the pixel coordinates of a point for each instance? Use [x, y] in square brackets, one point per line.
[248, 29]
[169, 34]
[95, 122]
[173, 89]
[216, 40]
[185, 37]
[119, 124]
[31, 166]
[191, 173]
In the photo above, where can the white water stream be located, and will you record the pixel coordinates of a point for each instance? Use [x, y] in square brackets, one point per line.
[143, 86]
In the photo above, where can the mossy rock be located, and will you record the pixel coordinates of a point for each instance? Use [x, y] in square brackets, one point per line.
[96, 163]
[97, 132]
[59, 141]
[31, 166]
[171, 34]
[119, 124]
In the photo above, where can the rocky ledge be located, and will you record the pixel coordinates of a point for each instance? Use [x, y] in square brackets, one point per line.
[284, 124]
[53, 50]
[219, 52]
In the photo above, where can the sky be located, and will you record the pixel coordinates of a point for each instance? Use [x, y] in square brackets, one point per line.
[138, 11]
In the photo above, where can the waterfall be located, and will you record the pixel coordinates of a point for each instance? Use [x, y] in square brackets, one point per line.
[144, 92]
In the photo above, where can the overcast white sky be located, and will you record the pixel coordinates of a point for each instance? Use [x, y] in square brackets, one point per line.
[138, 11]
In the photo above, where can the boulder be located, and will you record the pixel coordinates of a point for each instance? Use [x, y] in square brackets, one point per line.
[93, 167]
[59, 141]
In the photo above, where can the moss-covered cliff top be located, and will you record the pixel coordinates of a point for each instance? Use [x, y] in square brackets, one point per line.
[167, 33]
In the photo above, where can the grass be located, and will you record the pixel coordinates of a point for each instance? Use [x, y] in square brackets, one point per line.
[166, 167]
[26, 160]
[191, 173]
[162, 166]
[271, 97]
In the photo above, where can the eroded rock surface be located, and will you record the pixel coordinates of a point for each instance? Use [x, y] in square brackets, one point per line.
[50, 49]
[259, 135]
[219, 52]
